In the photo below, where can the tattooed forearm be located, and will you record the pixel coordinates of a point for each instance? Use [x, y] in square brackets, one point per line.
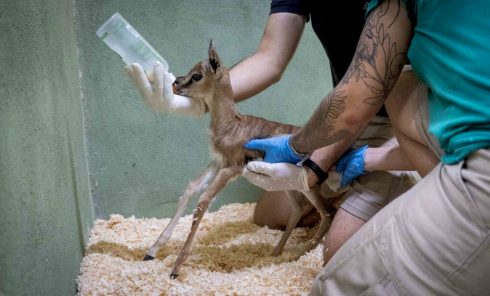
[334, 103]
[377, 62]
[319, 127]
[376, 65]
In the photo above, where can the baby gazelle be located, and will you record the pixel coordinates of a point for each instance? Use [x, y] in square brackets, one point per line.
[210, 81]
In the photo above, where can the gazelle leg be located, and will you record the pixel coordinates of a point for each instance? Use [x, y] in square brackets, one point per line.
[224, 175]
[324, 209]
[195, 186]
[300, 206]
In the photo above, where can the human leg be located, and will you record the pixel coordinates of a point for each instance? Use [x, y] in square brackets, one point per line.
[370, 192]
[432, 240]
[344, 225]
[407, 107]
[374, 190]
[367, 195]
[273, 210]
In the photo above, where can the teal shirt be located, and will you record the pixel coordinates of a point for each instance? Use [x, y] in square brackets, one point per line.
[450, 52]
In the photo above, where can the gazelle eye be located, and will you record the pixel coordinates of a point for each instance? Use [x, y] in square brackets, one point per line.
[196, 77]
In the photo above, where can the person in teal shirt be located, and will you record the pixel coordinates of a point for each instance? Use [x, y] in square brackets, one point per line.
[435, 238]
[449, 52]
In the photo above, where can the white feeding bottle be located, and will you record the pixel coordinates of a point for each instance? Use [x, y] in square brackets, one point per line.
[121, 37]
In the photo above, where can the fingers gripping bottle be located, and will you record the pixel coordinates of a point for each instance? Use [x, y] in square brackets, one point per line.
[121, 37]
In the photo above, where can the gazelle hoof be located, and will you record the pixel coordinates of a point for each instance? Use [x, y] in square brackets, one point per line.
[148, 258]
[174, 275]
[276, 253]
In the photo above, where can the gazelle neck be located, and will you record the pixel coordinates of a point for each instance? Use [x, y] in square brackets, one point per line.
[221, 104]
[222, 110]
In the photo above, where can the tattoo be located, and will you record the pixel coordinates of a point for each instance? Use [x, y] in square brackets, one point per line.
[329, 111]
[377, 61]
[376, 64]
[334, 105]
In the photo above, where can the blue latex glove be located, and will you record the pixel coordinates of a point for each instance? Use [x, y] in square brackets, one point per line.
[351, 165]
[277, 149]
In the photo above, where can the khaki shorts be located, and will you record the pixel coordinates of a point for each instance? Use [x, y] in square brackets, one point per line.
[432, 240]
[371, 192]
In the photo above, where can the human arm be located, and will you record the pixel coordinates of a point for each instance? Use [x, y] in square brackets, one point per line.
[364, 159]
[249, 77]
[377, 63]
[286, 176]
[387, 159]
[265, 67]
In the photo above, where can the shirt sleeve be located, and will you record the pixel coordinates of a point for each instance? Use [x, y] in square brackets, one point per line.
[411, 6]
[372, 5]
[292, 6]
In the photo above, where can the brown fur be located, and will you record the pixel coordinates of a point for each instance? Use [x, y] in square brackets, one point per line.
[229, 131]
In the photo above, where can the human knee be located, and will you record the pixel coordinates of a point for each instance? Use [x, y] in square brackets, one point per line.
[272, 210]
[343, 227]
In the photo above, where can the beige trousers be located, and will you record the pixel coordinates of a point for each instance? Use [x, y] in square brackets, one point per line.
[432, 240]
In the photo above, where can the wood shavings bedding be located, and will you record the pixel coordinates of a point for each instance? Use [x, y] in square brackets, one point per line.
[230, 256]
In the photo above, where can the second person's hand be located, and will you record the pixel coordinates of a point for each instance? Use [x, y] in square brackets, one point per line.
[159, 95]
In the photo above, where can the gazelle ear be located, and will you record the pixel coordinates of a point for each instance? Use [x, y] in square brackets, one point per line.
[214, 59]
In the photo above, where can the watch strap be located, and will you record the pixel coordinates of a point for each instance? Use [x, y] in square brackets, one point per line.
[322, 175]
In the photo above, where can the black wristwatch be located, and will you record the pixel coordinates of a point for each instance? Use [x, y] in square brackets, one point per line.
[322, 176]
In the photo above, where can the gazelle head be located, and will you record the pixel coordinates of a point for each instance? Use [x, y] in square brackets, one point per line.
[206, 80]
